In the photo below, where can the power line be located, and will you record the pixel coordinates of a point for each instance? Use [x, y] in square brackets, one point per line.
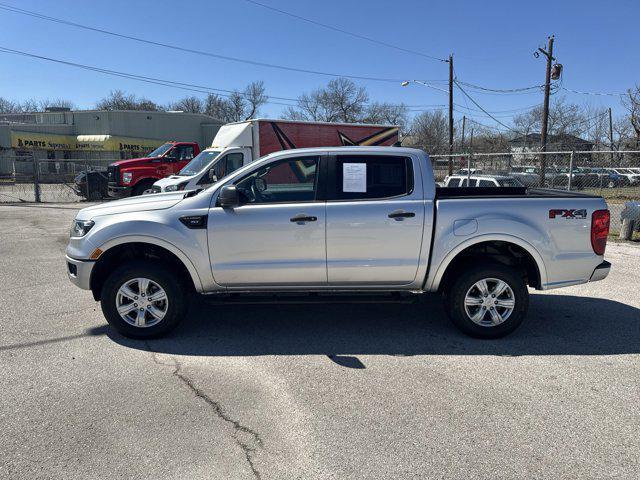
[146, 79]
[481, 108]
[346, 32]
[183, 85]
[500, 90]
[605, 94]
[61, 21]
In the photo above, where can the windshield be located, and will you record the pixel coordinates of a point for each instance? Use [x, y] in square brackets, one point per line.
[161, 150]
[199, 162]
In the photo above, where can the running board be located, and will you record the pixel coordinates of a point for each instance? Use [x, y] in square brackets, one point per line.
[307, 298]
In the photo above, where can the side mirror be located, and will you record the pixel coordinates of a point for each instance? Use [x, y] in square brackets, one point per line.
[229, 197]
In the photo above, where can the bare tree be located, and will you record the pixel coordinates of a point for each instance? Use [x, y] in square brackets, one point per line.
[430, 131]
[238, 106]
[387, 113]
[340, 101]
[8, 106]
[254, 97]
[190, 104]
[54, 103]
[119, 100]
[632, 104]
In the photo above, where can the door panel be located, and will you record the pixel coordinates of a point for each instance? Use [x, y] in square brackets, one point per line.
[374, 241]
[260, 245]
[366, 246]
[277, 238]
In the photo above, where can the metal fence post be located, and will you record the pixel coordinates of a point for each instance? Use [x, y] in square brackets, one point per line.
[570, 170]
[86, 179]
[36, 179]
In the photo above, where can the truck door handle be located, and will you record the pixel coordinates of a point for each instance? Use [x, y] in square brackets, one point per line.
[401, 214]
[302, 218]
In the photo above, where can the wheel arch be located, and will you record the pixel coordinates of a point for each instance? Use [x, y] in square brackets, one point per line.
[119, 250]
[504, 246]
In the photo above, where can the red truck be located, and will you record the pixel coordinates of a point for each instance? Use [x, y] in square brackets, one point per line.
[135, 176]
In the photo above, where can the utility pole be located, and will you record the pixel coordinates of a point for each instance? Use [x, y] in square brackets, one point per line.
[545, 112]
[450, 113]
[464, 121]
[611, 136]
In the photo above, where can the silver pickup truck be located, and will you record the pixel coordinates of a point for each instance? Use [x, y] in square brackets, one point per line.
[364, 220]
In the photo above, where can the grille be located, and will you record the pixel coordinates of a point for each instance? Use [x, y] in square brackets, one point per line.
[113, 174]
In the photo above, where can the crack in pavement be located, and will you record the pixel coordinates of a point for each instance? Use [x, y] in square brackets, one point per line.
[247, 439]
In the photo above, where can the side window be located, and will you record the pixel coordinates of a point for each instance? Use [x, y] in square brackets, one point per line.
[486, 183]
[290, 180]
[371, 177]
[453, 182]
[233, 162]
[215, 173]
[186, 152]
[465, 182]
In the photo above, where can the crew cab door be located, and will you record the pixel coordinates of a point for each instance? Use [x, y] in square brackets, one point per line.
[375, 220]
[277, 236]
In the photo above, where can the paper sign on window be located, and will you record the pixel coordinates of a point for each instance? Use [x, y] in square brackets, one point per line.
[354, 177]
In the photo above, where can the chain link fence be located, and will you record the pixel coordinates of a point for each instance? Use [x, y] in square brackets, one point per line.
[615, 175]
[27, 178]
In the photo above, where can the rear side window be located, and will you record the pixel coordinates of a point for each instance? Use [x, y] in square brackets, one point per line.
[486, 183]
[453, 182]
[361, 177]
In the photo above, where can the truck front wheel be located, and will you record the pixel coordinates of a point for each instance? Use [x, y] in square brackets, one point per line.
[143, 300]
[487, 301]
[142, 187]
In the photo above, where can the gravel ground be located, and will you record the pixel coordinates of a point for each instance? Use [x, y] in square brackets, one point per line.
[310, 391]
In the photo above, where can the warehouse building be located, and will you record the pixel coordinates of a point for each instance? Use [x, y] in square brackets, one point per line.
[95, 135]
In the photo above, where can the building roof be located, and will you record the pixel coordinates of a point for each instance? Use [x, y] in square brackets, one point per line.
[536, 138]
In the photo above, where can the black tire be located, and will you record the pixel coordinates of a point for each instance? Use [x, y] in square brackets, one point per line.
[457, 289]
[140, 188]
[176, 293]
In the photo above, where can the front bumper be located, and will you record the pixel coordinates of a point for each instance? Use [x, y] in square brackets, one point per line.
[79, 272]
[118, 192]
[601, 271]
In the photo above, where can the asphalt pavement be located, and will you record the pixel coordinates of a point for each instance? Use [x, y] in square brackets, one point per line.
[327, 391]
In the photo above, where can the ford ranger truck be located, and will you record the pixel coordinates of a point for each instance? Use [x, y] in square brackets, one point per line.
[133, 177]
[364, 220]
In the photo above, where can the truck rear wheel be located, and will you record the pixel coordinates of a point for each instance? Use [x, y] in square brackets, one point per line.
[487, 301]
[143, 300]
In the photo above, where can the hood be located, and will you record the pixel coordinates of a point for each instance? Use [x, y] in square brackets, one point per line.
[143, 203]
[173, 179]
[134, 162]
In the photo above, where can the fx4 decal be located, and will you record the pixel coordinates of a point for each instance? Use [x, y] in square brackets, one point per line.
[564, 213]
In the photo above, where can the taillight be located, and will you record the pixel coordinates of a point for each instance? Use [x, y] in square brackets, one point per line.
[599, 230]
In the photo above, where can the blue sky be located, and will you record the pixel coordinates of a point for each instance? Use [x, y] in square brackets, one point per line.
[492, 42]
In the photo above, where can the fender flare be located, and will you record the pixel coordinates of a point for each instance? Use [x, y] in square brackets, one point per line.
[160, 243]
[433, 283]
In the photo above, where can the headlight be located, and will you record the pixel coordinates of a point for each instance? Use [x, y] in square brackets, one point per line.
[127, 177]
[173, 188]
[79, 228]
